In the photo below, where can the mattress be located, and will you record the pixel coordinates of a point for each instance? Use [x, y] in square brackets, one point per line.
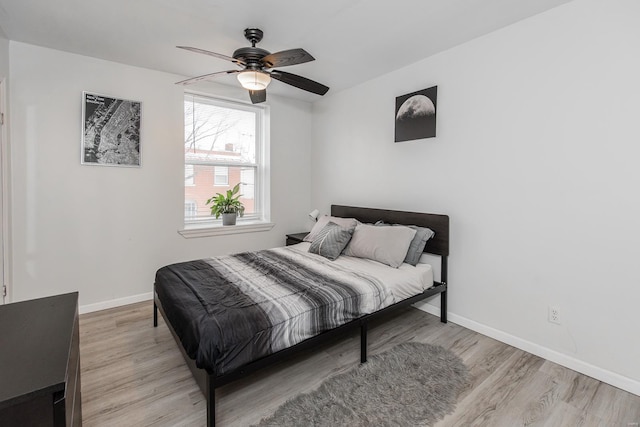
[232, 310]
[403, 282]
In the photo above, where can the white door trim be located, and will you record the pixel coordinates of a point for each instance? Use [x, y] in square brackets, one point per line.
[5, 237]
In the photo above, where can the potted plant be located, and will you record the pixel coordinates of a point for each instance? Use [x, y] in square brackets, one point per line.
[228, 205]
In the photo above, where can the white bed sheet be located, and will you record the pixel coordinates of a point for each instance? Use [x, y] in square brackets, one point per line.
[404, 281]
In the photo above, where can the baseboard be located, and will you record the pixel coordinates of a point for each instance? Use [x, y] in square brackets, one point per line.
[585, 368]
[89, 308]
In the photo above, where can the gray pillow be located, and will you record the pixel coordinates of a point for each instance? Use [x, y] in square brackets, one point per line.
[324, 220]
[331, 240]
[388, 245]
[417, 244]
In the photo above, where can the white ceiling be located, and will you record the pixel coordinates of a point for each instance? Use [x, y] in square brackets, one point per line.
[352, 40]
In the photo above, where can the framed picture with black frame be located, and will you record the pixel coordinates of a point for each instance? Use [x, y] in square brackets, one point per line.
[416, 115]
[110, 131]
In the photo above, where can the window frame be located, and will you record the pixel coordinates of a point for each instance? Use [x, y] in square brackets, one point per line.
[260, 221]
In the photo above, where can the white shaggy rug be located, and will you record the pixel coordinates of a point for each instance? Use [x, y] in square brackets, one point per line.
[412, 384]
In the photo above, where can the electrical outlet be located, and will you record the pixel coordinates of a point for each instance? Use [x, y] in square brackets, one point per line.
[554, 315]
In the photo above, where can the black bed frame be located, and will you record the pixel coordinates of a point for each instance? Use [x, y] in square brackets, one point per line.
[438, 245]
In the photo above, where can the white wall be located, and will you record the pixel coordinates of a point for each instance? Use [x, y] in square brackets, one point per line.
[536, 162]
[4, 57]
[105, 230]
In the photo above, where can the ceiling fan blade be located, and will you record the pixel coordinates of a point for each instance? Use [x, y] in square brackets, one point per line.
[286, 58]
[216, 55]
[258, 96]
[300, 82]
[206, 77]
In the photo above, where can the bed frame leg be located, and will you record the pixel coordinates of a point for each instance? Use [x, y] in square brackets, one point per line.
[443, 307]
[363, 342]
[155, 314]
[211, 402]
[444, 278]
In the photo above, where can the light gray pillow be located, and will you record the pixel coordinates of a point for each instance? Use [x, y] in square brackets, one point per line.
[324, 220]
[388, 245]
[331, 240]
[417, 244]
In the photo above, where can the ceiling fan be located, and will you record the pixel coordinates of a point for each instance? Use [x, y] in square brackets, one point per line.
[257, 67]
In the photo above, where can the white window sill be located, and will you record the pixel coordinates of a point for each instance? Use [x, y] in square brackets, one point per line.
[208, 230]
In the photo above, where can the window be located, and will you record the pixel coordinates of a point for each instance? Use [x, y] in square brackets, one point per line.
[190, 209]
[221, 176]
[225, 143]
[188, 176]
[247, 179]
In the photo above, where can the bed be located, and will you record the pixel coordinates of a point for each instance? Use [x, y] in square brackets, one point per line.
[284, 300]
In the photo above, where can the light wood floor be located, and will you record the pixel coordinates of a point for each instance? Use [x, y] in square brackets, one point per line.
[133, 375]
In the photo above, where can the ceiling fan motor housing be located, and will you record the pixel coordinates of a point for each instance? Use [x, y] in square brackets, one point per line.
[252, 56]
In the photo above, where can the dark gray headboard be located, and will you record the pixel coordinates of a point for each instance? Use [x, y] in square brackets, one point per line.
[438, 245]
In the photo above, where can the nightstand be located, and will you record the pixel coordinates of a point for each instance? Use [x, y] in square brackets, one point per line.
[295, 238]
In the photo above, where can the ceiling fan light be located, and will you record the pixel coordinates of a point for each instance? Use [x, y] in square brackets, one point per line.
[254, 80]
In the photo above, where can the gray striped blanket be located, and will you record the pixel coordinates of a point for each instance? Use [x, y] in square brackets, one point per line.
[232, 310]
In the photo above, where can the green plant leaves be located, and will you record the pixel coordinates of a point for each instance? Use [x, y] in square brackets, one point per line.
[226, 203]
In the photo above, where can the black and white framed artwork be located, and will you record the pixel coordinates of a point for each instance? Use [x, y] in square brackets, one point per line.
[416, 115]
[110, 131]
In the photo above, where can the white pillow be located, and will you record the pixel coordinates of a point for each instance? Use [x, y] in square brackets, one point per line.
[388, 245]
[324, 220]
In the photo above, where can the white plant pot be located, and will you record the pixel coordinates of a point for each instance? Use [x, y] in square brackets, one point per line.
[229, 218]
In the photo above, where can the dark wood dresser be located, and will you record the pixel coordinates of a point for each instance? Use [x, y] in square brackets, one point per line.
[40, 363]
